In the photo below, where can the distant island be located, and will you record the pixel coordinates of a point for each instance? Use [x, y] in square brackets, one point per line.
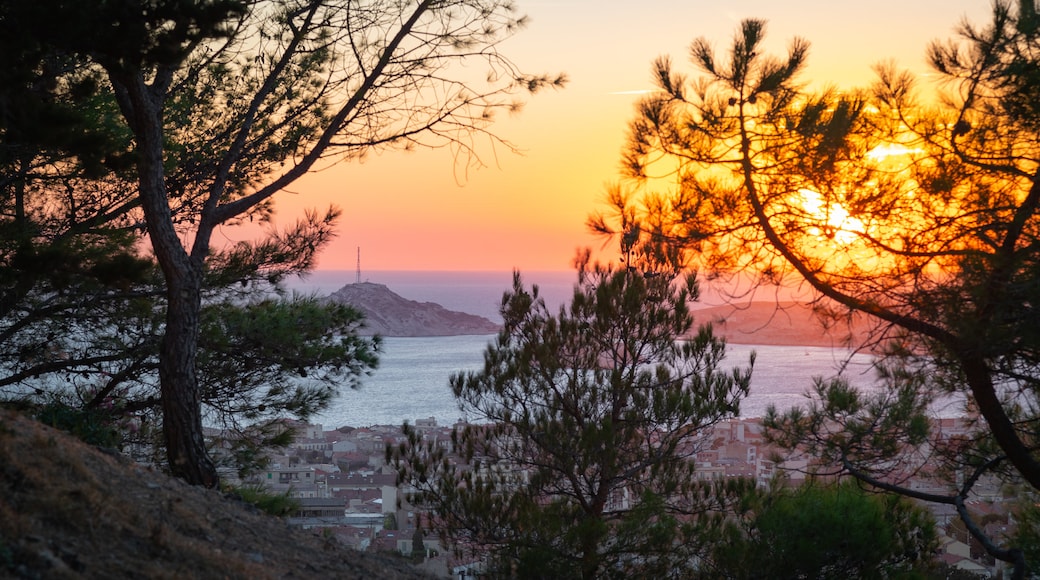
[388, 314]
[760, 322]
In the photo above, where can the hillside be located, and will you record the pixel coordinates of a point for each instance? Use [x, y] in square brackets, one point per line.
[389, 314]
[772, 323]
[68, 510]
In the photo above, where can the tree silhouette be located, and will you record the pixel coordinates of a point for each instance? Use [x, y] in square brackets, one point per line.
[81, 305]
[230, 101]
[922, 217]
[580, 462]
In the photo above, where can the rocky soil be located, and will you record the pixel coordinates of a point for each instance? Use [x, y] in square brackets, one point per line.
[69, 510]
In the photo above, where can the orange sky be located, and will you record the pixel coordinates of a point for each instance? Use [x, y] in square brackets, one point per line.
[412, 211]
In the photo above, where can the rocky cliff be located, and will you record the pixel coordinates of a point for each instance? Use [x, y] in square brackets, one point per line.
[389, 314]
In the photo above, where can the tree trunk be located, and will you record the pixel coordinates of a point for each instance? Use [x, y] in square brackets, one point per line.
[182, 411]
[1019, 453]
[142, 105]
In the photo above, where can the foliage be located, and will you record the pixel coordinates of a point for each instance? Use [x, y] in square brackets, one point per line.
[948, 572]
[248, 450]
[7, 559]
[824, 531]
[261, 357]
[94, 426]
[251, 352]
[67, 229]
[218, 105]
[579, 462]
[266, 359]
[68, 256]
[279, 504]
[923, 217]
[418, 547]
[1027, 530]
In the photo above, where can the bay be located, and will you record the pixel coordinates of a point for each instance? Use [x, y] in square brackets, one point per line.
[412, 379]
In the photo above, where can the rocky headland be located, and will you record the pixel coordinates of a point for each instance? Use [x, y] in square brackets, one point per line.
[388, 314]
[765, 322]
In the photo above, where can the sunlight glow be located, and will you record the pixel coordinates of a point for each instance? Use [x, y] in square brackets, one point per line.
[635, 92]
[838, 224]
[882, 152]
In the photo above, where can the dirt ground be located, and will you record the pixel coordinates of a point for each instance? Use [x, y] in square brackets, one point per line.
[69, 510]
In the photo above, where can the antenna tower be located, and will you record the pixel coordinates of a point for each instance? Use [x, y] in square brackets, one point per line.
[358, 265]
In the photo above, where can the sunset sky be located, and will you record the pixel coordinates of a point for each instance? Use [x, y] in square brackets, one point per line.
[417, 211]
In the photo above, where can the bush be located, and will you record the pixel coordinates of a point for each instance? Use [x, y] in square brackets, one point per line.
[276, 504]
[94, 426]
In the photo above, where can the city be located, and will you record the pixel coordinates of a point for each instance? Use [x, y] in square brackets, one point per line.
[343, 485]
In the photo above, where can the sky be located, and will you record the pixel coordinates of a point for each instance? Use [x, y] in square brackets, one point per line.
[527, 211]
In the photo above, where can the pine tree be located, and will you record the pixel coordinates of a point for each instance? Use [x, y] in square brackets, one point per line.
[579, 462]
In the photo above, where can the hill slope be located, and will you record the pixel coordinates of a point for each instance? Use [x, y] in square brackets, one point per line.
[67, 510]
[779, 323]
[389, 314]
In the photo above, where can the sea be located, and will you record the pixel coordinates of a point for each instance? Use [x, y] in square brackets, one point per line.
[412, 380]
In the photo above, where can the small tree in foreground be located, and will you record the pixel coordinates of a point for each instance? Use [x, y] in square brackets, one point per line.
[580, 463]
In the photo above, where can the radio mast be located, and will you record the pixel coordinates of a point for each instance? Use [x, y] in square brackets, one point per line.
[358, 265]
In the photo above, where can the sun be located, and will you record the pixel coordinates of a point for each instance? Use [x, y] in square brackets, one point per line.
[836, 222]
[892, 150]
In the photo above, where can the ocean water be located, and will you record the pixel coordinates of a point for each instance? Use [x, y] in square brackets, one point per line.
[412, 379]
